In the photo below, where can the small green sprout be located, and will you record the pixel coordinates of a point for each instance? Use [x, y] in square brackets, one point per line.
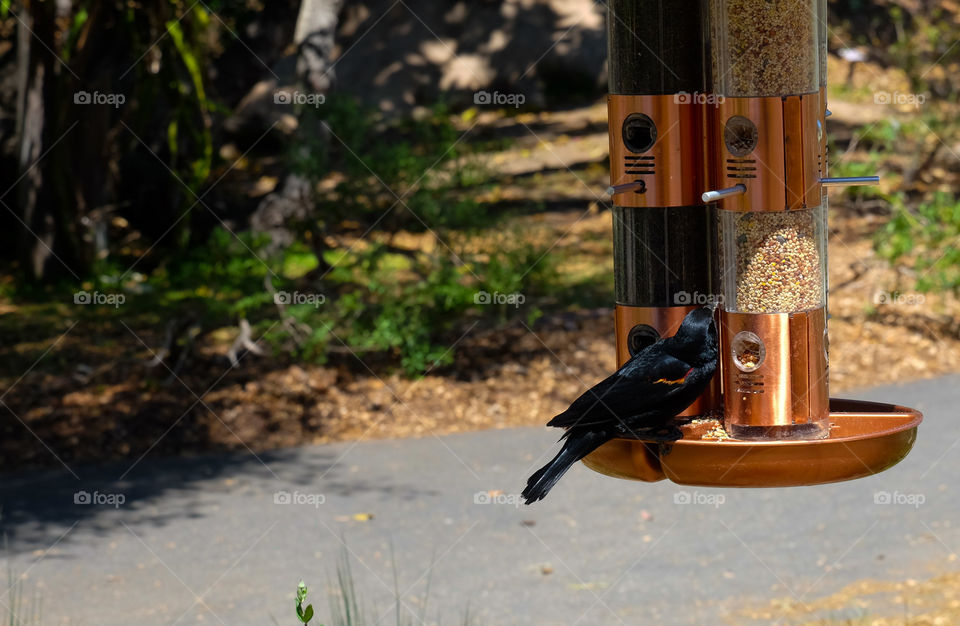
[303, 614]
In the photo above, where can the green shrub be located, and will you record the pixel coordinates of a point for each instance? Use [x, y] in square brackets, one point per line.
[410, 308]
[927, 240]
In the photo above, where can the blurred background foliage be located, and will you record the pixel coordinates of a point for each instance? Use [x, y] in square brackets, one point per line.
[206, 210]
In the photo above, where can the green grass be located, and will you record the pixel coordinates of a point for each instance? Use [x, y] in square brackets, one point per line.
[23, 609]
[347, 608]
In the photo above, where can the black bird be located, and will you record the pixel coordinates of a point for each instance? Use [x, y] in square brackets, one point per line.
[638, 400]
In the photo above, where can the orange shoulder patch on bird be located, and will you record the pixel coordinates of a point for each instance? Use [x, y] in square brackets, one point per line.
[679, 381]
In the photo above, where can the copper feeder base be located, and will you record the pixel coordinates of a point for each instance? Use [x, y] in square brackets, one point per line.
[865, 438]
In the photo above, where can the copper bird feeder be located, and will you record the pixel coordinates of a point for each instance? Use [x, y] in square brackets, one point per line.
[718, 177]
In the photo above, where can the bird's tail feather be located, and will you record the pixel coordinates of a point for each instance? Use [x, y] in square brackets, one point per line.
[574, 449]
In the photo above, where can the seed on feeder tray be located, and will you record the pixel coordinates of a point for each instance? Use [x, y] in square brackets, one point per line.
[717, 433]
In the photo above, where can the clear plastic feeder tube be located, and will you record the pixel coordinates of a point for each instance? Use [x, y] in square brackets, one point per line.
[765, 47]
[650, 47]
[774, 261]
[822, 40]
[773, 281]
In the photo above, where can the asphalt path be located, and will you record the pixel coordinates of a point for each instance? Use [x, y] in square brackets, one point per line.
[224, 539]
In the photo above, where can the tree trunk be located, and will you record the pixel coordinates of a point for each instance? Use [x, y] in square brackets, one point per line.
[35, 236]
[314, 37]
[289, 213]
[51, 236]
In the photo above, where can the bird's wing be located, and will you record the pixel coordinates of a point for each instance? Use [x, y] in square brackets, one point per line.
[641, 385]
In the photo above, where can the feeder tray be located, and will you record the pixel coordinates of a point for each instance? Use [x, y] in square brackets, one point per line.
[865, 438]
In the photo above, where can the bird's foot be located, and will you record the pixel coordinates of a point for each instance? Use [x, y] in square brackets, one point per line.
[660, 434]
